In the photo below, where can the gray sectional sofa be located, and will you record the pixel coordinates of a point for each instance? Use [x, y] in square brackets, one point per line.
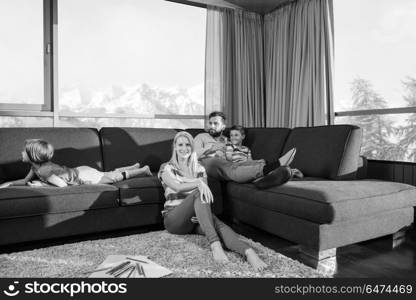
[327, 209]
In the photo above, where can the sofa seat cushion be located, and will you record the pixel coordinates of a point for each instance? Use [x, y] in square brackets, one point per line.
[326, 201]
[140, 190]
[21, 201]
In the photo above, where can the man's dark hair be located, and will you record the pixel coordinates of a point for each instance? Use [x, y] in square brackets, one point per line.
[217, 114]
[239, 128]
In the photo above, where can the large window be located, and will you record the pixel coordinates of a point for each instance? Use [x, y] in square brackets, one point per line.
[115, 63]
[21, 54]
[375, 74]
[131, 57]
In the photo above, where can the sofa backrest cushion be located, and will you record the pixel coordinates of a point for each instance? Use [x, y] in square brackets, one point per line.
[195, 131]
[330, 152]
[126, 146]
[266, 143]
[73, 147]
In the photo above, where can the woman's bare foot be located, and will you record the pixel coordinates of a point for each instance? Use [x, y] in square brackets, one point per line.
[146, 171]
[255, 260]
[218, 253]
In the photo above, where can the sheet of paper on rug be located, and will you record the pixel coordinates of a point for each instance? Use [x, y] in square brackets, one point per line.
[152, 269]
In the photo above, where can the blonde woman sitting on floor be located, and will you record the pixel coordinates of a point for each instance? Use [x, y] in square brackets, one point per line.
[188, 203]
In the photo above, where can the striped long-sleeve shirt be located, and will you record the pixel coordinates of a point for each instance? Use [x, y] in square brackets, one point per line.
[237, 153]
[174, 198]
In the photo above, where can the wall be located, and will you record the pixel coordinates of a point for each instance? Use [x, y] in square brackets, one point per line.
[403, 172]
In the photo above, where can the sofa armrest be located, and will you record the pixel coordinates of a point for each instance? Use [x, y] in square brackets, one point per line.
[362, 167]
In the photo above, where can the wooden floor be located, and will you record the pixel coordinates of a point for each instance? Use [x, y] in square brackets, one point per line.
[373, 258]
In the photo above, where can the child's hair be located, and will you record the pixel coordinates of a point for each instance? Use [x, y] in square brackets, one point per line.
[38, 151]
[239, 128]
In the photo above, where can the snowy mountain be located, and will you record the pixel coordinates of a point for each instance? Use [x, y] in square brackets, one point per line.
[143, 99]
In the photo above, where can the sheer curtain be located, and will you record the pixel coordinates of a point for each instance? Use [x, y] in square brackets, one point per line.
[234, 74]
[299, 64]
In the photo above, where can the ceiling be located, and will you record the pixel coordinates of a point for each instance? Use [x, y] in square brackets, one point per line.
[259, 6]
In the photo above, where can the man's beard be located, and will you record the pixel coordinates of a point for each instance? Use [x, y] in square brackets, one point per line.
[214, 133]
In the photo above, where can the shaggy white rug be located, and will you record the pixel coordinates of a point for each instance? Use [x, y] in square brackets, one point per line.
[184, 255]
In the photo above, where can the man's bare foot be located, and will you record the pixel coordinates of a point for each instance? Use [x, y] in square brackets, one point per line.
[136, 166]
[255, 261]
[218, 253]
[287, 158]
[146, 171]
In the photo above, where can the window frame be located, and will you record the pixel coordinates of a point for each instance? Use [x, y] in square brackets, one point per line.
[47, 68]
[379, 111]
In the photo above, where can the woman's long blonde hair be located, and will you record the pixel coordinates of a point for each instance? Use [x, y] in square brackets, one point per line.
[192, 162]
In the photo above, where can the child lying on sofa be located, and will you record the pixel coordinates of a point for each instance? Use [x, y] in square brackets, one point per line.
[237, 153]
[39, 153]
